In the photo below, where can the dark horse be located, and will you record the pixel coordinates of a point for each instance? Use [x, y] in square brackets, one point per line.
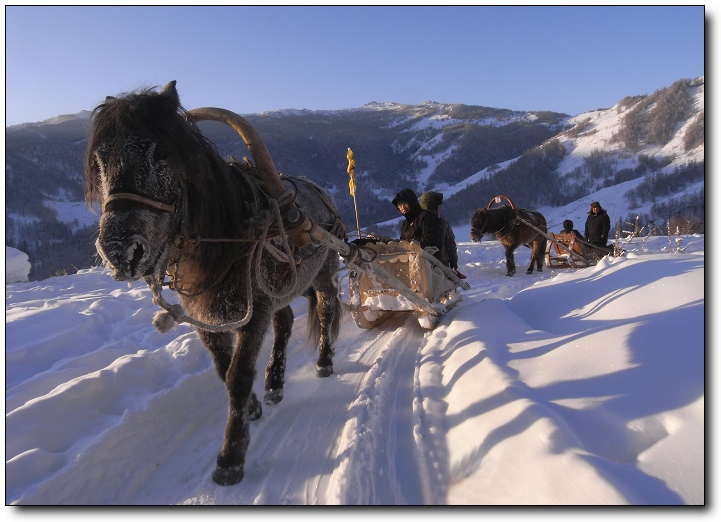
[511, 232]
[173, 207]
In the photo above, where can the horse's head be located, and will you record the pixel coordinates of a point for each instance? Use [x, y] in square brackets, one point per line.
[131, 167]
[479, 222]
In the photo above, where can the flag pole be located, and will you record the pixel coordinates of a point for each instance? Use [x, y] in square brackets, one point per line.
[351, 186]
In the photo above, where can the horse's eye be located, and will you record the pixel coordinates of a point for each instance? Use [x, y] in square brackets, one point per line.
[158, 154]
[99, 163]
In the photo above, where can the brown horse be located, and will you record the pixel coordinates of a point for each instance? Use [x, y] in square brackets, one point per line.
[506, 223]
[173, 207]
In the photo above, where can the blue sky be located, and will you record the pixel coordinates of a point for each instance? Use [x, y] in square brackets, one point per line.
[570, 59]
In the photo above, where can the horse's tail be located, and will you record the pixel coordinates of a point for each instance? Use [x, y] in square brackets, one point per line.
[314, 326]
[542, 239]
[313, 317]
[544, 224]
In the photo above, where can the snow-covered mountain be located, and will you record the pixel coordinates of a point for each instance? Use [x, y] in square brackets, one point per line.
[652, 146]
[597, 163]
[596, 133]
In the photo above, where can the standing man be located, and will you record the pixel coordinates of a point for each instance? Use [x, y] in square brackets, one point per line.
[598, 224]
[420, 225]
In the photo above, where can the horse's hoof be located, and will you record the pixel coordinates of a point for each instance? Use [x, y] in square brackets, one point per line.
[324, 371]
[228, 476]
[273, 396]
[510, 274]
[529, 272]
[255, 409]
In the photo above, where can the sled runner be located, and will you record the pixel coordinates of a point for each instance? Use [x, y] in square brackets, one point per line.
[565, 250]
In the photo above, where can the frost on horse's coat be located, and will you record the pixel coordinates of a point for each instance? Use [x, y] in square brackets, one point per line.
[512, 232]
[173, 207]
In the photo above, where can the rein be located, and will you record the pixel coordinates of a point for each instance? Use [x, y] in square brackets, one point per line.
[174, 313]
[509, 224]
[517, 219]
[482, 231]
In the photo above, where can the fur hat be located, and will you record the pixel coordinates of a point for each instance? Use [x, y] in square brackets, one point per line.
[431, 200]
[568, 225]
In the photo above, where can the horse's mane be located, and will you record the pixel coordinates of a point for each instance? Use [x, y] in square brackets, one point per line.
[499, 218]
[200, 172]
[147, 113]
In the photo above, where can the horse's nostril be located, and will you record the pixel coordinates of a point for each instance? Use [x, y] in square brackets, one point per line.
[135, 255]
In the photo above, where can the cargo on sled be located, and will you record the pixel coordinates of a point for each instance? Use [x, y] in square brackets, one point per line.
[419, 284]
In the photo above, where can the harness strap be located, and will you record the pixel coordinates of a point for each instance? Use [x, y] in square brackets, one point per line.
[164, 207]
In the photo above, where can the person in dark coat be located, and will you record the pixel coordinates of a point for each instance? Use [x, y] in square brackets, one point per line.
[569, 232]
[598, 224]
[420, 225]
[432, 202]
[568, 229]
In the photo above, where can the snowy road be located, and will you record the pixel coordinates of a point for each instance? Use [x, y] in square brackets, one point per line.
[361, 436]
[345, 439]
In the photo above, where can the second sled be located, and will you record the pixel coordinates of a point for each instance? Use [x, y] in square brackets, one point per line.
[419, 285]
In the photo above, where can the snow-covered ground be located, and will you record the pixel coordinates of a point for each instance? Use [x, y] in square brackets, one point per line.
[560, 388]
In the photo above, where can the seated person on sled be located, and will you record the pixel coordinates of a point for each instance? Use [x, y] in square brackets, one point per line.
[569, 236]
[569, 231]
[420, 225]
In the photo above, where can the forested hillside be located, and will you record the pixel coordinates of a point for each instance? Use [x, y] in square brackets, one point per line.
[654, 143]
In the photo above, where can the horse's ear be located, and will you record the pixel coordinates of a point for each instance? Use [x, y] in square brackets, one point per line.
[171, 91]
[108, 99]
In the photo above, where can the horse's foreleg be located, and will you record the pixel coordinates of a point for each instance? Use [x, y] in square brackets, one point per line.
[328, 313]
[243, 405]
[220, 346]
[275, 371]
[326, 316]
[510, 262]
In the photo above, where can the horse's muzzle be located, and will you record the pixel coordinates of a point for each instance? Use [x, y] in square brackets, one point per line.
[129, 259]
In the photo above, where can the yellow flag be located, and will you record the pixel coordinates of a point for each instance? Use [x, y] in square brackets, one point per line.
[351, 172]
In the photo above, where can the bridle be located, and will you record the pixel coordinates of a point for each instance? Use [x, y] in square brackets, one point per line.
[480, 232]
[140, 200]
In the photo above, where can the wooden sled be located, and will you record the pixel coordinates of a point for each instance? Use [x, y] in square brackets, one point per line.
[420, 275]
[565, 250]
